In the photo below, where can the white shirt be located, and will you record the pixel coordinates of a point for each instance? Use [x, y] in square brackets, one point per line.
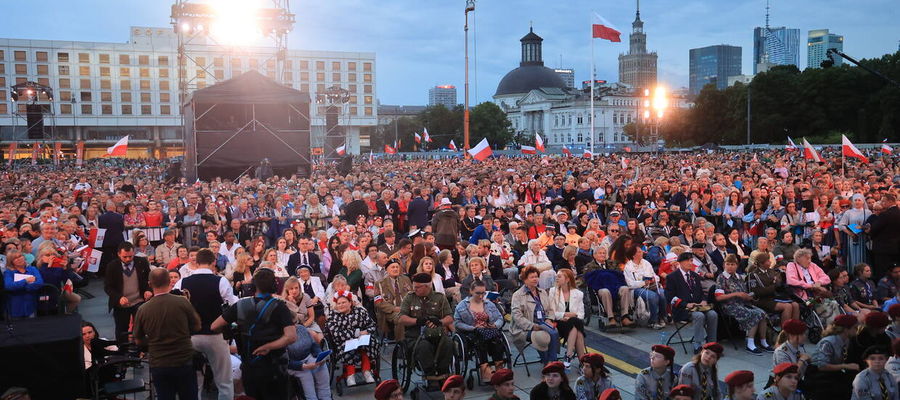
[224, 288]
[228, 253]
[635, 274]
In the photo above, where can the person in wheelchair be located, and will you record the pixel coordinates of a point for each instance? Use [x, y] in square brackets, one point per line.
[389, 293]
[480, 321]
[428, 314]
[608, 277]
[349, 321]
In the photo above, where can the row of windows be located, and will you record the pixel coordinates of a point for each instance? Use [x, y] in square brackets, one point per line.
[144, 59]
[143, 109]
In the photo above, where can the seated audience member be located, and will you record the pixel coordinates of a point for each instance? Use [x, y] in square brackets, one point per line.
[313, 376]
[347, 322]
[568, 302]
[644, 284]
[535, 257]
[862, 288]
[689, 301]
[809, 281]
[869, 333]
[55, 271]
[739, 385]
[770, 292]
[612, 281]
[841, 293]
[736, 301]
[887, 286]
[481, 320]
[531, 312]
[477, 274]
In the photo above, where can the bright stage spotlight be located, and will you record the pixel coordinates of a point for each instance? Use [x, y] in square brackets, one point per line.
[236, 22]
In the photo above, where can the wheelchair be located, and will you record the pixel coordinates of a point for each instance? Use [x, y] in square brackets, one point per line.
[109, 377]
[403, 369]
[336, 366]
[464, 352]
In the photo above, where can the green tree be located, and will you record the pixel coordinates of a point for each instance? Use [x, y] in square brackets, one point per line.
[487, 120]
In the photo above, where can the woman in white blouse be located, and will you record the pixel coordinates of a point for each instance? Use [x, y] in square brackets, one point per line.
[639, 276]
[426, 265]
[283, 251]
[568, 303]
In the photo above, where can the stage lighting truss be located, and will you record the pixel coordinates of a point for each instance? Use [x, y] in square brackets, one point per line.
[229, 25]
[30, 92]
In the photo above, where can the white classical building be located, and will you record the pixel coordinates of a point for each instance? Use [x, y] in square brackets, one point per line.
[107, 90]
[537, 101]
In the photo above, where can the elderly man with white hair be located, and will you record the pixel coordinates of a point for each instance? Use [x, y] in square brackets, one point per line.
[536, 257]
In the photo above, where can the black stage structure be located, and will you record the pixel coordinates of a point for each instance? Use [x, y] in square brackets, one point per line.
[229, 127]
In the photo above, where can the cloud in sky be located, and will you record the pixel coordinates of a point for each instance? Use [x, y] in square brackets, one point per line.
[419, 44]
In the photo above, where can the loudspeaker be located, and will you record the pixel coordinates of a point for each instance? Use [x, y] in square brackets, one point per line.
[43, 355]
[345, 166]
[35, 117]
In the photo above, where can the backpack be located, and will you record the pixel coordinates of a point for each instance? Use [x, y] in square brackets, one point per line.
[250, 313]
[655, 256]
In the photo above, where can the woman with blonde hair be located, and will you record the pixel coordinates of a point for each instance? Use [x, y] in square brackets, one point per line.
[568, 303]
[271, 256]
[426, 265]
[350, 270]
[445, 269]
[242, 273]
[300, 305]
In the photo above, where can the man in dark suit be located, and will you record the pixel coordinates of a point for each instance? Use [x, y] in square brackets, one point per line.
[689, 301]
[388, 208]
[356, 207]
[303, 257]
[885, 236]
[389, 246]
[114, 222]
[720, 252]
[128, 286]
[417, 213]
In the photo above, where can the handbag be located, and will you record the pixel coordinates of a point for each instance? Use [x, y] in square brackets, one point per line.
[487, 334]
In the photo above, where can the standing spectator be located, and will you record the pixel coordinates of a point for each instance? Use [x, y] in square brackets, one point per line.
[853, 240]
[208, 292]
[445, 225]
[417, 211]
[164, 326]
[689, 301]
[885, 236]
[127, 285]
[263, 346]
[21, 293]
[114, 222]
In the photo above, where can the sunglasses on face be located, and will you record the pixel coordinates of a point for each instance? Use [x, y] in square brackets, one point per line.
[479, 293]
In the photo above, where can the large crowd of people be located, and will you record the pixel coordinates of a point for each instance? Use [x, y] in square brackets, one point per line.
[258, 274]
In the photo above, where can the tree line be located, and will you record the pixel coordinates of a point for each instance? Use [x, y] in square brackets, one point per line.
[486, 120]
[817, 103]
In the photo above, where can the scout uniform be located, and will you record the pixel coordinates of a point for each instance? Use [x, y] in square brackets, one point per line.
[870, 385]
[650, 385]
[500, 377]
[772, 392]
[586, 388]
[700, 377]
[736, 379]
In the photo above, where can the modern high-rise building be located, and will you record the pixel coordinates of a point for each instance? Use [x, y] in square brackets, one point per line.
[442, 94]
[638, 67]
[104, 91]
[817, 44]
[775, 46]
[713, 64]
[567, 75]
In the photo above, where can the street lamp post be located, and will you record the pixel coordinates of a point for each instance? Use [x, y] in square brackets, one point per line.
[470, 6]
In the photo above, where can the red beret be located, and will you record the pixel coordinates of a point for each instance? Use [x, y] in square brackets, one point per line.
[666, 351]
[876, 320]
[738, 378]
[845, 320]
[610, 394]
[595, 359]
[502, 375]
[682, 390]
[794, 327]
[386, 388]
[552, 367]
[894, 310]
[453, 381]
[715, 348]
[785, 368]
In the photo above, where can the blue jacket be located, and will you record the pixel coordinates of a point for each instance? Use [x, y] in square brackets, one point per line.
[605, 279]
[679, 293]
[465, 321]
[479, 233]
[22, 296]
[302, 348]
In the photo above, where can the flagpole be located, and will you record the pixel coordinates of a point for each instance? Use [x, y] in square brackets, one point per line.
[592, 92]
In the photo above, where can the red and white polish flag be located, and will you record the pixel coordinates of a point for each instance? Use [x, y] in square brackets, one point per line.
[566, 151]
[528, 150]
[849, 150]
[790, 146]
[602, 29]
[587, 154]
[809, 152]
[539, 143]
[452, 145]
[341, 150]
[886, 149]
[481, 151]
[417, 137]
[427, 136]
[119, 149]
[390, 150]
